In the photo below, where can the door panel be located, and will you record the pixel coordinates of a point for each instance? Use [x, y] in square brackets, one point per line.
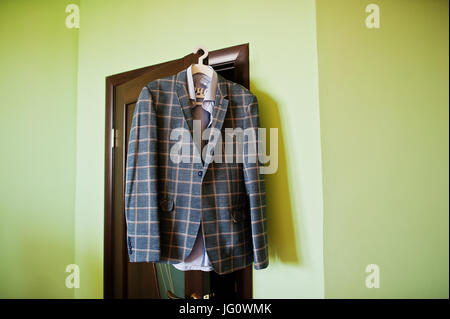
[123, 279]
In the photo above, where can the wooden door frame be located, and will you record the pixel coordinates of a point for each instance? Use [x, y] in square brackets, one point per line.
[236, 57]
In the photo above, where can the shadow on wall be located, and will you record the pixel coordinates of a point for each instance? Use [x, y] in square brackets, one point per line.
[280, 222]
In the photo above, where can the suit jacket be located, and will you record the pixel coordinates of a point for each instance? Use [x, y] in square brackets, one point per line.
[167, 200]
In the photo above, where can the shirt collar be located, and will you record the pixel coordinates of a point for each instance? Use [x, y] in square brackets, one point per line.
[210, 92]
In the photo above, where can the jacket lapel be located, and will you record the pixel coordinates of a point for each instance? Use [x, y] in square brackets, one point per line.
[183, 98]
[219, 112]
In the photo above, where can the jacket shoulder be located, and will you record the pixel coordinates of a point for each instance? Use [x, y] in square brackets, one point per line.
[162, 84]
[239, 94]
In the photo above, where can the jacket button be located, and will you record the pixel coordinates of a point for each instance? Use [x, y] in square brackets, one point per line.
[166, 205]
[200, 173]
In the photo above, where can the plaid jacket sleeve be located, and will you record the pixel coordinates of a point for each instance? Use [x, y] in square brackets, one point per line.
[141, 204]
[254, 183]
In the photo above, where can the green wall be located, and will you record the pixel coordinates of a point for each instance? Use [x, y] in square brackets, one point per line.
[384, 128]
[362, 180]
[38, 63]
[117, 36]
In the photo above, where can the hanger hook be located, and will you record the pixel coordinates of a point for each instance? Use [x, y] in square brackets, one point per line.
[202, 57]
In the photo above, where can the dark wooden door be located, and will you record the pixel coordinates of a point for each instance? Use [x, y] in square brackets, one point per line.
[123, 279]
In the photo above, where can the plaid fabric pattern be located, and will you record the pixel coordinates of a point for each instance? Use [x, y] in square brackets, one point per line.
[166, 201]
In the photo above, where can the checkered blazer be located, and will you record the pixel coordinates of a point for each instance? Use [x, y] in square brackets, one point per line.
[167, 200]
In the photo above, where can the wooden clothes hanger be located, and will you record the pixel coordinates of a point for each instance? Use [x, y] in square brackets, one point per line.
[200, 67]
